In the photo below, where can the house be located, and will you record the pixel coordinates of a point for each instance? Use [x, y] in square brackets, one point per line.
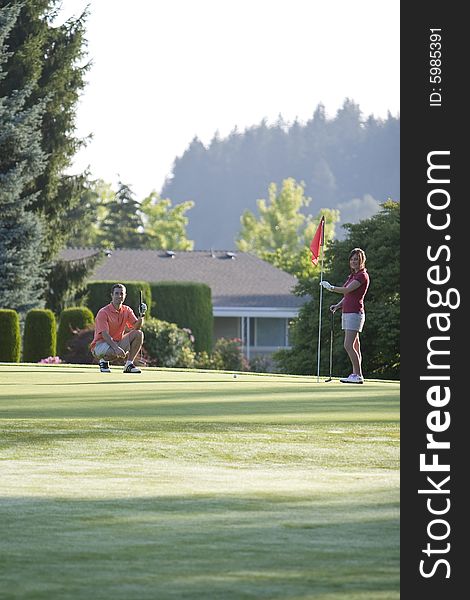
[252, 299]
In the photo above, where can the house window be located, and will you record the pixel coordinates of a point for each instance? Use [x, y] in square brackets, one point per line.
[270, 332]
[227, 327]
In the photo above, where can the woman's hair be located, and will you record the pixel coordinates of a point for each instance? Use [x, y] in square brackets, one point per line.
[361, 254]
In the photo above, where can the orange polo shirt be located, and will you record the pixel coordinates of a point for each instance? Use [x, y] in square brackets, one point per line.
[113, 321]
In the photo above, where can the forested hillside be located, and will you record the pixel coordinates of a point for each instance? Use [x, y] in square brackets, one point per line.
[349, 162]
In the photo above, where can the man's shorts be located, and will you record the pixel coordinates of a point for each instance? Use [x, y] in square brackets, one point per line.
[353, 321]
[104, 349]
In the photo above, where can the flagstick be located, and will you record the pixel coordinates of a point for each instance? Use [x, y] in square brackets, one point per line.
[319, 317]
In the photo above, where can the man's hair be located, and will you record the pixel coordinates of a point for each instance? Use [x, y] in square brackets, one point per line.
[118, 285]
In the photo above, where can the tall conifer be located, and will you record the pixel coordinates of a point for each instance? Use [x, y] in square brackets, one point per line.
[49, 60]
[21, 161]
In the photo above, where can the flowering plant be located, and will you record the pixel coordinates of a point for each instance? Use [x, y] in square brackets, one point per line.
[50, 360]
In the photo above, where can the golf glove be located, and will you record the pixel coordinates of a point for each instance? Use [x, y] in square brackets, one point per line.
[142, 309]
[327, 285]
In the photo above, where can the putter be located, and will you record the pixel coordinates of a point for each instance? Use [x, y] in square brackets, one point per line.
[330, 378]
[140, 315]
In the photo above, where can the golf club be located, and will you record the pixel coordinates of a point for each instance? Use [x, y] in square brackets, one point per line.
[330, 378]
[140, 315]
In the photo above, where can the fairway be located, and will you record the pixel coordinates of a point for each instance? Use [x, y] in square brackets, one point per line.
[196, 485]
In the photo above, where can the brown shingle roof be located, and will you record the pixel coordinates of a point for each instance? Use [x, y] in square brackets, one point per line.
[244, 280]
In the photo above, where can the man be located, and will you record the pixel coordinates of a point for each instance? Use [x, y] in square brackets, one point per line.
[118, 332]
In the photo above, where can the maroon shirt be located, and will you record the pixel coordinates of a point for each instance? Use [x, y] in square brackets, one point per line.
[354, 301]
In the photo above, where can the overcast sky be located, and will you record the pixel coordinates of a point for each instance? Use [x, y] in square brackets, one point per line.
[165, 71]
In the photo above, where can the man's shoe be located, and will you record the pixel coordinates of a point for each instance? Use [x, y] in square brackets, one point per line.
[104, 366]
[132, 369]
[353, 378]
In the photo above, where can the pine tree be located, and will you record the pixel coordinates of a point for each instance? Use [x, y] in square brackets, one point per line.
[49, 60]
[67, 281]
[122, 227]
[86, 219]
[21, 161]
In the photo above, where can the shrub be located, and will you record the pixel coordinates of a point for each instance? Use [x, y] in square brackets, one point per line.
[71, 320]
[10, 347]
[229, 352]
[187, 304]
[203, 360]
[261, 364]
[78, 348]
[166, 345]
[40, 335]
[99, 294]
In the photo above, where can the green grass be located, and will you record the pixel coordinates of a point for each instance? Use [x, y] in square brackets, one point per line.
[196, 485]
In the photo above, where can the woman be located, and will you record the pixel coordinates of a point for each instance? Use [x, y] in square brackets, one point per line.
[352, 305]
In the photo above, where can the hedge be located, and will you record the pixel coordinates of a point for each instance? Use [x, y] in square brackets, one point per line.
[10, 336]
[71, 320]
[40, 335]
[99, 294]
[189, 305]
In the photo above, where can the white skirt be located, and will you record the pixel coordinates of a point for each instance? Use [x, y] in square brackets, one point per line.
[353, 321]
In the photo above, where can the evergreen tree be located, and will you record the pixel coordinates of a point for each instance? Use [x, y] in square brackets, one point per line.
[123, 227]
[49, 60]
[87, 218]
[68, 280]
[282, 234]
[21, 161]
[108, 219]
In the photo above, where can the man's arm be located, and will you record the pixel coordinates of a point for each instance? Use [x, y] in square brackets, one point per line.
[138, 324]
[142, 310]
[114, 345]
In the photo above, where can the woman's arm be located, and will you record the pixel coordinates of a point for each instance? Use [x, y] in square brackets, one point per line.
[337, 306]
[346, 290]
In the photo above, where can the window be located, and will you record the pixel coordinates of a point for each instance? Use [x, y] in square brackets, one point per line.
[270, 332]
[227, 327]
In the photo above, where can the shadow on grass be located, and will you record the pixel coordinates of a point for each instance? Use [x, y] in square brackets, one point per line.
[199, 547]
[39, 370]
[168, 405]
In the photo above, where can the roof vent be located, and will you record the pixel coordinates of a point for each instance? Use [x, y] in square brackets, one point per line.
[231, 255]
[170, 253]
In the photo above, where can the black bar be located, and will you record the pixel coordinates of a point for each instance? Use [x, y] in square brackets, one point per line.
[433, 120]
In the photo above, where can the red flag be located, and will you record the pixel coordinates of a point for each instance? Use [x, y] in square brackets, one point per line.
[317, 241]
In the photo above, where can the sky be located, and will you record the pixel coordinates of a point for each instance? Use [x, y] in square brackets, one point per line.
[165, 71]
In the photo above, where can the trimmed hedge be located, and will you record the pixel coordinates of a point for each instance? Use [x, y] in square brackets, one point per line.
[99, 294]
[40, 335]
[187, 304]
[10, 336]
[71, 320]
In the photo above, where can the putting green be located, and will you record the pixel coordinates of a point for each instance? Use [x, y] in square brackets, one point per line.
[187, 484]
